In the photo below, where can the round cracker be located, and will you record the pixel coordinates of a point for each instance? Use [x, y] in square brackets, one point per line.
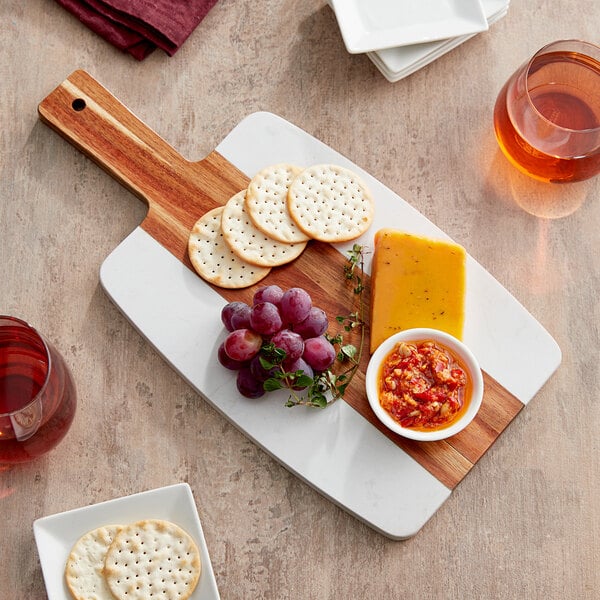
[212, 258]
[250, 243]
[150, 559]
[84, 569]
[266, 203]
[330, 203]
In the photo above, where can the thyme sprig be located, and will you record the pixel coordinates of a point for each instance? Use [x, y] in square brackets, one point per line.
[328, 386]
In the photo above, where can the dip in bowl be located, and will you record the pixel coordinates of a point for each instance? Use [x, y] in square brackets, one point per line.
[424, 384]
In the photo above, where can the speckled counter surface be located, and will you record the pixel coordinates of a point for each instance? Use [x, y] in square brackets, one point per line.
[523, 523]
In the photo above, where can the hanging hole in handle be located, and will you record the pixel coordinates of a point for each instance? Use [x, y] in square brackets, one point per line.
[78, 104]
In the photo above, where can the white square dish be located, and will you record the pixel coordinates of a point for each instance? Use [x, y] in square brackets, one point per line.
[372, 25]
[56, 534]
[396, 63]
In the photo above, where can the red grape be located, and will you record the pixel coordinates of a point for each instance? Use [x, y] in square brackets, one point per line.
[314, 325]
[295, 305]
[242, 344]
[248, 385]
[227, 362]
[268, 293]
[236, 315]
[290, 342]
[265, 318]
[231, 309]
[259, 372]
[298, 365]
[319, 353]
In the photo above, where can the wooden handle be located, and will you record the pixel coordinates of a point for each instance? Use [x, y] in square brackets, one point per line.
[176, 191]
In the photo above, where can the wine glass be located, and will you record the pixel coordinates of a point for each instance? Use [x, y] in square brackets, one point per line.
[37, 393]
[547, 115]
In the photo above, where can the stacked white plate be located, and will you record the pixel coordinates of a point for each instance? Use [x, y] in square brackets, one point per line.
[402, 36]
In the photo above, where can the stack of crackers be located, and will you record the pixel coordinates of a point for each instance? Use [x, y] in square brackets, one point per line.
[148, 559]
[270, 223]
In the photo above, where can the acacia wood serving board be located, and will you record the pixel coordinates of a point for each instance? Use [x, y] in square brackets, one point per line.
[178, 191]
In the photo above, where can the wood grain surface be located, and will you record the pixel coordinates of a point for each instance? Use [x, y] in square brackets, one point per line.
[524, 523]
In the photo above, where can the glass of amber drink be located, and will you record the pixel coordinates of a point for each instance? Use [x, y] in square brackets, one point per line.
[547, 115]
[37, 393]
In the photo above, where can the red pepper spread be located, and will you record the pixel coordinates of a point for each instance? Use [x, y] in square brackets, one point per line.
[422, 385]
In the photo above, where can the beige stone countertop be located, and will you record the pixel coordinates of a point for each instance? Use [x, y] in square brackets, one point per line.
[525, 522]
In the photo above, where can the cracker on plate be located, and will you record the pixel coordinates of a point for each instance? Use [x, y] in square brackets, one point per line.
[150, 559]
[84, 569]
[330, 203]
[212, 258]
[250, 243]
[266, 203]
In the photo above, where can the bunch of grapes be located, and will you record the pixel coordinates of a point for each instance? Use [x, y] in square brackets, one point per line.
[279, 338]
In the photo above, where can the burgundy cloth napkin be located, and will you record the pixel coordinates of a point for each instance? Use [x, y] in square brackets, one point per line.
[140, 26]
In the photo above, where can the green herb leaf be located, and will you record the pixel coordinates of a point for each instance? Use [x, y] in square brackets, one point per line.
[272, 384]
[319, 401]
[349, 350]
[266, 364]
[302, 380]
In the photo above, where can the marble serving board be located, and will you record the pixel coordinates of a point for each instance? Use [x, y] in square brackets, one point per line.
[392, 484]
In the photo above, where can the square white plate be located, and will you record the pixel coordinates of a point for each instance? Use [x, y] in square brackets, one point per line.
[401, 61]
[55, 535]
[449, 45]
[369, 25]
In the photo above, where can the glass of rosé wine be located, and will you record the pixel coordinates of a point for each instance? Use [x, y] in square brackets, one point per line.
[547, 115]
[37, 393]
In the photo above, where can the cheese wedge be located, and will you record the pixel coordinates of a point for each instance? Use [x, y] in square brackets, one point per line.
[416, 282]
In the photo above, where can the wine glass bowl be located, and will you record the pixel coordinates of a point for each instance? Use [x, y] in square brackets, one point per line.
[547, 115]
[37, 393]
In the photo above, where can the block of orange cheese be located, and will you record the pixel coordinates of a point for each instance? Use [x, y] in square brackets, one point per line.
[416, 282]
